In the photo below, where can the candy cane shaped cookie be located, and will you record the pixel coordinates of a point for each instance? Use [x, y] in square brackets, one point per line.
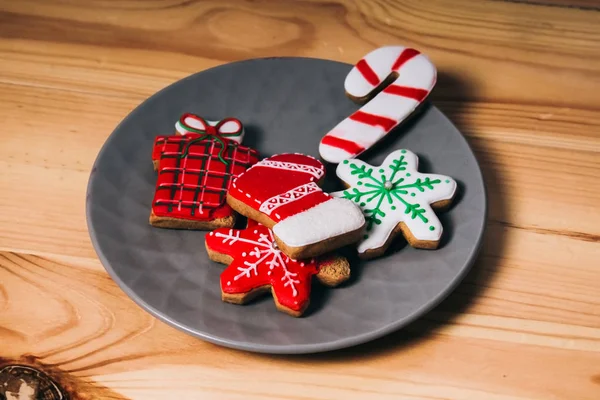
[415, 76]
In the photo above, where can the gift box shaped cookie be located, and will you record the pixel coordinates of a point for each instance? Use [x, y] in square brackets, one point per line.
[195, 170]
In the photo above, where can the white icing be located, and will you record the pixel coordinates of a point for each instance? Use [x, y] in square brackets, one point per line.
[333, 153]
[231, 125]
[291, 195]
[316, 172]
[389, 106]
[332, 218]
[268, 161]
[418, 72]
[379, 233]
[380, 60]
[197, 123]
[264, 251]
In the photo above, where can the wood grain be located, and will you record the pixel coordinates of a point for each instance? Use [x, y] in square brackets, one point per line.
[520, 79]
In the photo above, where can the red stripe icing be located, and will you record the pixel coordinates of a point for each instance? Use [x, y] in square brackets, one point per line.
[267, 181]
[405, 91]
[346, 145]
[373, 120]
[303, 203]
[406, 55]
[366, 71]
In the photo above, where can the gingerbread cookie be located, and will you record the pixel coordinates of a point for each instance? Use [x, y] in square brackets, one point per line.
[396, 198]
[256, 265]
[195, 170]
[406, 77]
[283, 193]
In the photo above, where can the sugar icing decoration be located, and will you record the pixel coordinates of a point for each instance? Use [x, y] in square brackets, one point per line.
[273, 203]
[392, 193]
[416, 77]
[284, 187]
[229, 128]
[257, 262]
[196, 169]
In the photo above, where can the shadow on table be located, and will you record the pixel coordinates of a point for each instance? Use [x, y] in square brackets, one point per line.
[451, 96]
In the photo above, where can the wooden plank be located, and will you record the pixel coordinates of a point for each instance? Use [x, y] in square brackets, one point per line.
[93, 333]
[50, 141]
[506, 52]
[519, 79]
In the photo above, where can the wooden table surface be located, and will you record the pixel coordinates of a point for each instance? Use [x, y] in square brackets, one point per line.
[521, 79]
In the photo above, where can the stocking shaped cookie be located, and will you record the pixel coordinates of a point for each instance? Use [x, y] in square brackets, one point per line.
[195, 170]
[282, 192]
[256, 265]
[396, 198]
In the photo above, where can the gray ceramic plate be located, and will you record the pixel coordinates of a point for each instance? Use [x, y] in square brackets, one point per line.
[287, 104]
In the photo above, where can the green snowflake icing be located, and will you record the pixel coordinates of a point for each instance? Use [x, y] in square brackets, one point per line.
[388, 187]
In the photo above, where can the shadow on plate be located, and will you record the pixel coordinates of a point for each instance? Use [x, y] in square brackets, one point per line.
[451, 97]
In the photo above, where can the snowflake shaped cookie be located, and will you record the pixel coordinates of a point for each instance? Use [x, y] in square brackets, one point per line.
[256, 265]
[396, 198]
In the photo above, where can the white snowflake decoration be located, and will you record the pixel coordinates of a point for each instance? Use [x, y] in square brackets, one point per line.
[265, 250]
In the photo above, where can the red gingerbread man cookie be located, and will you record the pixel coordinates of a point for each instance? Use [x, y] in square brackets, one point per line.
[256, 265]
[195, 170]
[283, 193]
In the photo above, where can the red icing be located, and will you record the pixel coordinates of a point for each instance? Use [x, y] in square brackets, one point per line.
[344, 144]
[406, 55]
[365, 70]
[192, 180]
[405, 91]
[264, 181]
[303, 203]
[208, 128]
[373, 120]
[257, 263]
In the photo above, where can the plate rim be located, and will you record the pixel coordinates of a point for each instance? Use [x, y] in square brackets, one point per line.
[310, 348]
